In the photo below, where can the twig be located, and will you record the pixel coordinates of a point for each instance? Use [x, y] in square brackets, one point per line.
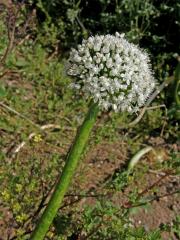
[10, 35]
[35, 124]
[19, 114]
[161, 173]
[41, 205]
[152, 185]
[84, 30]
[153, 199]
[155, 107]
[24, 39]
[93, 231]
[41, 128]
[21, 145]
[153, 96]
[128, 204]
[4, 73]
[80, 197]
[24, 234]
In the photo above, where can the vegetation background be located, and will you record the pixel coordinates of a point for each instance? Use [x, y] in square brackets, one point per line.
[39, 116]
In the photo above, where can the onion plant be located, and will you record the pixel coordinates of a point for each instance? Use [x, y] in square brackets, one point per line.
[113, 74]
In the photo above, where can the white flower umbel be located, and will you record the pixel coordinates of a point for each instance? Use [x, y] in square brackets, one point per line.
[113, 72]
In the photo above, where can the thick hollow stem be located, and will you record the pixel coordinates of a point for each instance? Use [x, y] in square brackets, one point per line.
[61, 188]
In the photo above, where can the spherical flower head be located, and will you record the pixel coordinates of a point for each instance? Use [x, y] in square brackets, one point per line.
[113, 72]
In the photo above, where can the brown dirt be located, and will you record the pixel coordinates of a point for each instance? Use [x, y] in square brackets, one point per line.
[100, 164]
[102, 161]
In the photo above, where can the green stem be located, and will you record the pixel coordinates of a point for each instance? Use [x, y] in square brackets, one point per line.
[135, 159]
[67, 174]
[177, 84]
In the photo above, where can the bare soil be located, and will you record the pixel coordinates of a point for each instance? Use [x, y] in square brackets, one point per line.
[101, 163]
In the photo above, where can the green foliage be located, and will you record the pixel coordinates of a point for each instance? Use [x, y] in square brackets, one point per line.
[138, 19]
[106, 221]
[174, 99]
[173, 227]
[121, 180]
[173, 164]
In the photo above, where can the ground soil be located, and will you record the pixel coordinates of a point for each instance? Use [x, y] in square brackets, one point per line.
[100, 164]
[105, 159]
